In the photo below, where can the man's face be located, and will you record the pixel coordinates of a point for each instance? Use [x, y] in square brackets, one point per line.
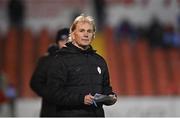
[62, 43]
[83, 34]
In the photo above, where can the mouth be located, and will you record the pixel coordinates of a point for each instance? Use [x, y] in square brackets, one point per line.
[85, 39]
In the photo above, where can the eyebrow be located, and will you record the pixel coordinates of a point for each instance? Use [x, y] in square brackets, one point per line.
[86, 30]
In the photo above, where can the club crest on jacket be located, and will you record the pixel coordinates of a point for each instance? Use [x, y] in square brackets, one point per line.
[99, 70]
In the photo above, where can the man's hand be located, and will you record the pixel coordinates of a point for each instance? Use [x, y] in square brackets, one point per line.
[88, 99]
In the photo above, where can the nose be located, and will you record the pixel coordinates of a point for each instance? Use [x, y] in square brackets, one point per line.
[85, 34]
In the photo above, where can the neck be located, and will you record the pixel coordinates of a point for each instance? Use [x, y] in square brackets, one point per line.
[80, 46]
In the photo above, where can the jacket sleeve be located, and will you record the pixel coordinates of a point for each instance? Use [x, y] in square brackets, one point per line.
[56, 92]
[107, 89]
[38, 79]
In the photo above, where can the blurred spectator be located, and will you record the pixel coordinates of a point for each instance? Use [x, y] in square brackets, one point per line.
[39, 77]
[155, 33]
[168, 36]
[11, 96]
[141, 32]
[100, 13]
[176, 39]
[7, 93]
[16, 14]
[171, 38]
[125, 30]
[62, 37]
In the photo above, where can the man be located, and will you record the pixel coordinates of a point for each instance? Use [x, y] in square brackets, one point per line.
[62, 37]
[39, 77]
[78, 74]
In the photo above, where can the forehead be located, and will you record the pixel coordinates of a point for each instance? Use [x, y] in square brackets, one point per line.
[86, 25]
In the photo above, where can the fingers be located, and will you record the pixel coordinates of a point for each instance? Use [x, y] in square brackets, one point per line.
[114, 98]
[88, 99]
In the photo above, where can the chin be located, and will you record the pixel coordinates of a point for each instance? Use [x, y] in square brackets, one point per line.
[85, 44]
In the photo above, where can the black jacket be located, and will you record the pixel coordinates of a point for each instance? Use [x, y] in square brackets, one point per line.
[73, 74]
[38, 81]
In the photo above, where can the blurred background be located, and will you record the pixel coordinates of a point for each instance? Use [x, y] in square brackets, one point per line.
[140, 40]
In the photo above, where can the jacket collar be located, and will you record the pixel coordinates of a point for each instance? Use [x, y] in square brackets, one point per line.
[73, 49]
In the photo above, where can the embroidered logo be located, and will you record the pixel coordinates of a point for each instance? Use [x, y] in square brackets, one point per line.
[99, 70]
